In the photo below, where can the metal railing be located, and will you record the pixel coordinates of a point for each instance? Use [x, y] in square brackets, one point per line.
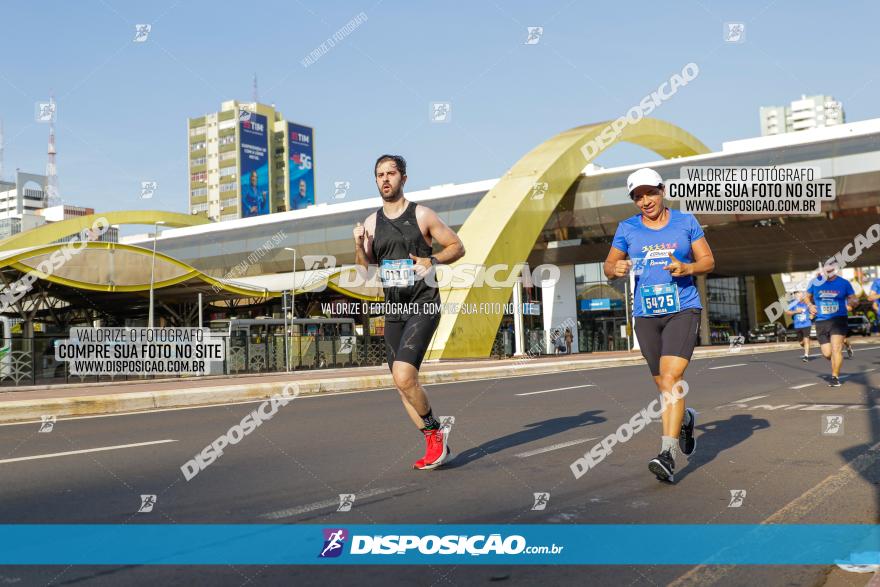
[31, 361]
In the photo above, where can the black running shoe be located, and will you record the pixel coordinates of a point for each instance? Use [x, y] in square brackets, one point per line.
[663, 466]
[835, 382]
[806, 359]
[849, 352]
[686, 441]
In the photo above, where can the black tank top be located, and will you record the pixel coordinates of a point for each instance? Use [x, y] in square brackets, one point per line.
[394, 240]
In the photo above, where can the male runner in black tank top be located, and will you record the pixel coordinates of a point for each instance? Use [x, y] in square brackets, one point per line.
[399, 237]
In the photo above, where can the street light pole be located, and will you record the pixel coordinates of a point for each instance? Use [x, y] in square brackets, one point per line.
[153, 271]
[292, 292]
[286, 352]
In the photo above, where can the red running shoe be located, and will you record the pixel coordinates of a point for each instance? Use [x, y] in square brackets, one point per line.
[436, 449]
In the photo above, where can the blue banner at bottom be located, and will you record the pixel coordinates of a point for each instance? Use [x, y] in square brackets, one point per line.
[278, 544]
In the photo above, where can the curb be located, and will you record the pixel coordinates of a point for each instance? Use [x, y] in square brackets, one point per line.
[32, 410]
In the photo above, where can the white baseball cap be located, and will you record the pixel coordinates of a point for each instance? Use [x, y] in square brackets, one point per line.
[643, 176]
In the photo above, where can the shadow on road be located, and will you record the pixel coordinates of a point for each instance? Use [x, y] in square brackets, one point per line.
[859, 455]
[532, 432]
[718, 436]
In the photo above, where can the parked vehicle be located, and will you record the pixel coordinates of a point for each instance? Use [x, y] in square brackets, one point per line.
[770, 332]
[859, 325]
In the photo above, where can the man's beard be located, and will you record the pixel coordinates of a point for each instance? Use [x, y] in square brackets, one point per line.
[393, 195]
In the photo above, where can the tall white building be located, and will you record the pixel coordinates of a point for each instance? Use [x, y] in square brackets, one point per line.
[247, 160]
[24, 206]
[804, 114]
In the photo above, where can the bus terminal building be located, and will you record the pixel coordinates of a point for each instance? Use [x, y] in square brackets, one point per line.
[552, 208]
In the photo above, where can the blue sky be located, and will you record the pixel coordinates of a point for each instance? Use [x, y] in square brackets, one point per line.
[122, 106]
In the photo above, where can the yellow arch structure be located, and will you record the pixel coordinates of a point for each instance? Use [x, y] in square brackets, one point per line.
[506, 223]
[58, 230]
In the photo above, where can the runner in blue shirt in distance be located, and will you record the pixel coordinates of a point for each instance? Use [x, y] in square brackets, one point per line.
[828, 301]
[803, 322]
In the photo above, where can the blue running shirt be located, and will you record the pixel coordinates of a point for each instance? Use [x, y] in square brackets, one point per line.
[649, 249]
[830, 298]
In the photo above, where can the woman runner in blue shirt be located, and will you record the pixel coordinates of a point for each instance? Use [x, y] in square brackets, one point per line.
[664, 249]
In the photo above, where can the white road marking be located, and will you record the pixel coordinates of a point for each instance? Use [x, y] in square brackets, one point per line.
[335, 393]
[86, 450]
[793, 512]
[726, 366]
[802, 385]
[539, 451]
[557, 389]
[747, 399]
[319, 505]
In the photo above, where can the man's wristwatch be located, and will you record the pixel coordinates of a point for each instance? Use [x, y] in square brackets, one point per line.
[433, 260]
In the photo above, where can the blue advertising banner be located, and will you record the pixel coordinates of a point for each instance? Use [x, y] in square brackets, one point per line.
[453, 544]
[301, 165]
[254, 157]
[599, 304]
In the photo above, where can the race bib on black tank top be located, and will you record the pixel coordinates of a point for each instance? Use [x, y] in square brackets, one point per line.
[394, 241]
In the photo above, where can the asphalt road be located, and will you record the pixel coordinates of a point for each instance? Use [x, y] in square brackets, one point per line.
[512, 437]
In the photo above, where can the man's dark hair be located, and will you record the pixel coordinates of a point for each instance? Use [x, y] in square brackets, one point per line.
[398, 160]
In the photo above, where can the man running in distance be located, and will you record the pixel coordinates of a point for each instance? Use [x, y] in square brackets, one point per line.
[399, 237]
[828, 302]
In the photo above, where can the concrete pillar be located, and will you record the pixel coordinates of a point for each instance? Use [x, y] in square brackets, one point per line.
[560, 306]
[705, 336]
[518, 329]
[751, 302]
[629, 300]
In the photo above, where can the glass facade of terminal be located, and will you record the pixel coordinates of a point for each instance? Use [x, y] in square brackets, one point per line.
[600, 310]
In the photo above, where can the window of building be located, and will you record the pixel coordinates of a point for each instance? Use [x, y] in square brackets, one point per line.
[198, 176]
[197, 146]
[199, 192]
[228, 187]
[227, 171]
[227, 140]
[727, 308]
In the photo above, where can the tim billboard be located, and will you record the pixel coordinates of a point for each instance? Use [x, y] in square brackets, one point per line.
[301, 165]
[254, 157]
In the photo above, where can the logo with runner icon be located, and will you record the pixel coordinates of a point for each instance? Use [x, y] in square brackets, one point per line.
[346, 501]
[736, 343]
[832, 425]
[47, 423]
[541, 501]
[334, 542]
[737, 497]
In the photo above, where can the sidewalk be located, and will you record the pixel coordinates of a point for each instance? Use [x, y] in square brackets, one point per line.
[30, 403]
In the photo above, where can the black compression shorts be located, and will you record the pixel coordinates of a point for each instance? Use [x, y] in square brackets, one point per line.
[825, 328]
[670, 335]
[408, 341]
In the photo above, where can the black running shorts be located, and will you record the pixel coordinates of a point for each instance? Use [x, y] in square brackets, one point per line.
[670, 335]
[408, 341]
[803, 333]
[825, 328]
